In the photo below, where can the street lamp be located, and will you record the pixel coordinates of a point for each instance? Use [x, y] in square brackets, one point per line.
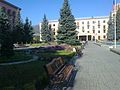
[95, 37]
[115, 10]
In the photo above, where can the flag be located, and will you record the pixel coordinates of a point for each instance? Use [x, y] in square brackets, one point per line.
[113, 6]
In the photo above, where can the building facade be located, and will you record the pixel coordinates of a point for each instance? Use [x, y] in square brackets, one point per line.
[90, 28]
[11, 10]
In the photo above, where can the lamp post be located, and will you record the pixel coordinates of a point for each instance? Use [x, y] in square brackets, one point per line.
[95, 37]
[115, 10]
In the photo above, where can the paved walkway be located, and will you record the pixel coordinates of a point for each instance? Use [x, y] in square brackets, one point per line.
[99, 69]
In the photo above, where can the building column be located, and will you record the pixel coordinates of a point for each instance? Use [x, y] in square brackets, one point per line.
[86, 37]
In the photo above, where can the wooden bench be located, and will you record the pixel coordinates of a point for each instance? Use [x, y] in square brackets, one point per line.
[60, 74]
[79, 51]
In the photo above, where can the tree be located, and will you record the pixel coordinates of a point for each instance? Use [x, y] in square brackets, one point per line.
[118, 24]
[51, 34]
[5, 35]
[67, 28]
[18, 31]
[45, 31]
[110, 33]
[28, 31]
[23, 32]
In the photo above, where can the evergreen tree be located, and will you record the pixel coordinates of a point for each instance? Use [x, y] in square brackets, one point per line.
[118, 24]
[18, 32]
[5, 35]
[110, 33]
[45, 31]
[51, 33]
[67, 28]
[28, 31]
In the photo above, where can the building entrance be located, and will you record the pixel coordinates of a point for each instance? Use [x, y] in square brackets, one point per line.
[85, 38]
[89, 37]
[82, 38]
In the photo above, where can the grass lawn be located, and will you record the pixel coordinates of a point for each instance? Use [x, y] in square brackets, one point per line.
[23, 74]
[44, 44]
[19, 56]
[67, 55]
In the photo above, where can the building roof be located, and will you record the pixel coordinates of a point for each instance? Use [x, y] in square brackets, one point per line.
[85, 18]
[3, 1]
[93, 17]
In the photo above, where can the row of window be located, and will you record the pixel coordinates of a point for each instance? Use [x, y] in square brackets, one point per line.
[88, 27]
[87, 23]
[9, 11]
[104, 31]
[100, 37]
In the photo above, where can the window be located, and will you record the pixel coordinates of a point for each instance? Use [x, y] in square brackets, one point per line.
[103, 21]
[93, 31]
[4, 9]
[77, 27]
[53, 24]
[82, 22]
[93, 22]
[93, 27]
[104, 36]
[77, 23]
[54, 33]
[88, 26]
[98, 31]
[83, 30]
[13, 13]
[88, 31]
[88, 22]
[98, 37]
[104, 31]
[9, 12]
[53, 29]
[98, 22]
[113, 14]
[98, 26]
[76, 37]
[104, 27]
[49, 26]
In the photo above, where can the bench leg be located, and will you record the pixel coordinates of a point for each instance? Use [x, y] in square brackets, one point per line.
[72, 78]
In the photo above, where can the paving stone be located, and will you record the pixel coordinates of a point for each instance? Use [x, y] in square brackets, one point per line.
[99, 69]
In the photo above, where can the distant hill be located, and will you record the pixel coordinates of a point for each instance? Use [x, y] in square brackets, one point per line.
[36, 30]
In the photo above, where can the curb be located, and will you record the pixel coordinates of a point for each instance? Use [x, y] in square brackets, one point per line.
[115, 51]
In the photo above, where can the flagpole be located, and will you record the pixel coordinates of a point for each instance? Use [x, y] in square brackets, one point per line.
[115, 10]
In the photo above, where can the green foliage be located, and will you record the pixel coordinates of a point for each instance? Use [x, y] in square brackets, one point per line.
[45, 31]
[18, 56]
[110, 34]
[22, 74]
[28, 31]
[23, 32]
[66, 30]
[5, 35]
[36, 39]
[18, 31]
[49, 54]
[118, 24]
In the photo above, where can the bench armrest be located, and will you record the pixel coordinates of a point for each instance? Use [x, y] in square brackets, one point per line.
[58, 78]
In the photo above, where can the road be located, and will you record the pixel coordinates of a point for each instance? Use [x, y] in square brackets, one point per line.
[99, 69]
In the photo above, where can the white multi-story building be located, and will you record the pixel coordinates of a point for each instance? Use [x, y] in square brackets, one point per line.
[90, 28]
